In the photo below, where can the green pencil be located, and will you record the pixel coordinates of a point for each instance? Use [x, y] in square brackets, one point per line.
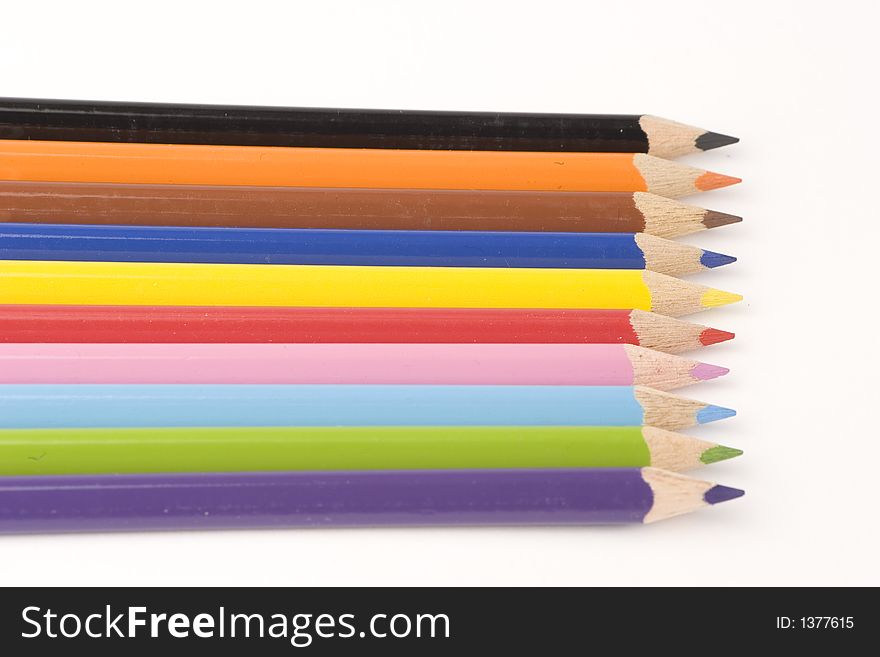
[243, 449]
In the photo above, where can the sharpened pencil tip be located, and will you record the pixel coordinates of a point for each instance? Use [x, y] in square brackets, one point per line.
[718, 494]
[709, 140]
[714, 336]
[711, 180]
[712, 259]
[712, 413]
[719, 453]
[707, 372]
[713, 298]
[715, 219]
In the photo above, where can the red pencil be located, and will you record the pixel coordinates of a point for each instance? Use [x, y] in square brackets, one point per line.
[169, 324]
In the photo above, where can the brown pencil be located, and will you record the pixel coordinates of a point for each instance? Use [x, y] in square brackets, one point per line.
[376, 209]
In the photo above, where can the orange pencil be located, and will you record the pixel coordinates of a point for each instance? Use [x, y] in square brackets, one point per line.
[349, 167]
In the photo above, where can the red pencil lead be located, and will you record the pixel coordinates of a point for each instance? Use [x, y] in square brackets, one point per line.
[714, 336]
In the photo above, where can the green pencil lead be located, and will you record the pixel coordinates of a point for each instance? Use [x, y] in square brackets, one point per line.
[719, 453]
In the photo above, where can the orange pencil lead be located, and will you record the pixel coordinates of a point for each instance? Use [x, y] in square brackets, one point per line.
[712, 180]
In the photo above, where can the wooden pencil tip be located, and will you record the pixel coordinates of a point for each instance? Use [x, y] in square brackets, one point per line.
[714, 336]
[719, 453]
[709, 140]
[675, 494]
[719, 493]
[713, 298]
[715, 219]
[711, 180]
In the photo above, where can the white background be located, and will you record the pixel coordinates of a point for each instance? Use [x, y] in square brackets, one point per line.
[795, 80]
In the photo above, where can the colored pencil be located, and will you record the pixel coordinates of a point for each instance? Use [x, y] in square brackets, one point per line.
[161, 123]
[480, 364]
[250, 449]
[361, 498]
[290, 246]
[168, 284]
[358, 209]
[345, 167]
[174, 405]
[218, 324]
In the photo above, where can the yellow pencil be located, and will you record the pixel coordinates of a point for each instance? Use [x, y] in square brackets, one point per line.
[172, 284]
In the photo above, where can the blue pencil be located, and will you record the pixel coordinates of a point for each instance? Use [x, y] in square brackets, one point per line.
[411, 248]
[185, 405]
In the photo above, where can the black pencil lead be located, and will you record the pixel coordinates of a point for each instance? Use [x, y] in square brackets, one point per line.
[709, 140]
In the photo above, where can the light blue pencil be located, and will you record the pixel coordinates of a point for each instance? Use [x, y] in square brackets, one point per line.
[187, 405]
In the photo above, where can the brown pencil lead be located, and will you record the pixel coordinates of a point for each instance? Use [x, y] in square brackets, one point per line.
[715, 219]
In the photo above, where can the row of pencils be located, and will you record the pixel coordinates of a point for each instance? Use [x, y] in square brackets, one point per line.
[233, 317]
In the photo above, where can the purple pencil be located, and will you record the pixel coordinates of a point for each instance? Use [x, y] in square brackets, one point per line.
[376, 498]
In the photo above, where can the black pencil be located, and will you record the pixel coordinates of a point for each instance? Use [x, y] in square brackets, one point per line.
[73, 120]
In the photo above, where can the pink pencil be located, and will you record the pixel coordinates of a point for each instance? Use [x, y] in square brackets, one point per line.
[478, 364]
